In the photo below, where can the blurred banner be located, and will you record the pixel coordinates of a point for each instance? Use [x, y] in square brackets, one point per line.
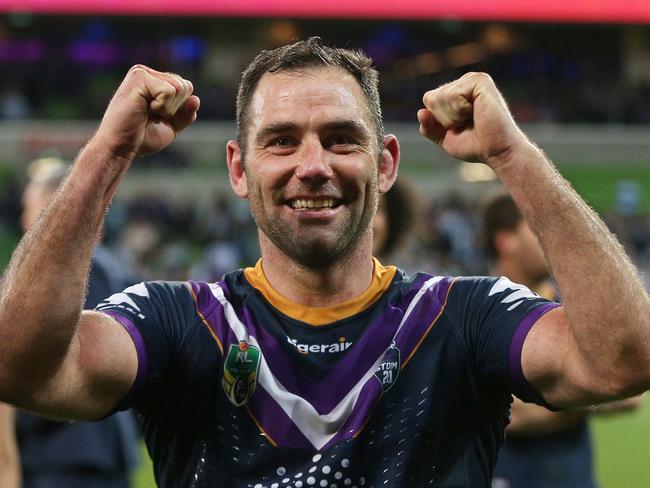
[607, 11]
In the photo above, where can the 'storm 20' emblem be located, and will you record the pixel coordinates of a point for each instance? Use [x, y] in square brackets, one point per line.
[389, 368]
[240, 372]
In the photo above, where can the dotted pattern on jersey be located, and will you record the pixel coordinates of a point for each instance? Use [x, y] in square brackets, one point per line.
[402, 436]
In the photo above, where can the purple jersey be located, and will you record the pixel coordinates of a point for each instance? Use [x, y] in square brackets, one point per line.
[408, 385]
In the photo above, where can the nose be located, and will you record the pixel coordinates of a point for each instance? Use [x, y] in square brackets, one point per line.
[314, 164]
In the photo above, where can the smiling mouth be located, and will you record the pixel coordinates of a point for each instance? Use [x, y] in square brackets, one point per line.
[312, 204]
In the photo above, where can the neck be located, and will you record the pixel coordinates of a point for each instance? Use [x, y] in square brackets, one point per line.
[347, 278]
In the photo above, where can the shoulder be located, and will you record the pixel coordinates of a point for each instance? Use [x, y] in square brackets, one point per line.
[232, 288]
[421, 283]
[152, 300]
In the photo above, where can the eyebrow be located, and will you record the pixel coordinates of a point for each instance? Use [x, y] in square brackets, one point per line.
[343, 125]
[346, 125]
[274, 129]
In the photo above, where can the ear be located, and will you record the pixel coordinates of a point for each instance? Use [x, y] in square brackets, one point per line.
[389, 163]
[236, 170]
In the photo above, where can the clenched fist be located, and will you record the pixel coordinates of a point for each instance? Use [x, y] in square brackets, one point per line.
[146, 113]
[470, 120]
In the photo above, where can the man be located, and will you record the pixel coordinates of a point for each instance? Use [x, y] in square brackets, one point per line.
[81, 454]
[319, 366]
[543, 449]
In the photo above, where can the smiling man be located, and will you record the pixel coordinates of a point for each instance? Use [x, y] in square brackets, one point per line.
[319, 366]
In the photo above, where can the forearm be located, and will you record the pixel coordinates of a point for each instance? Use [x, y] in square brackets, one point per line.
[528, 419]
[10, 472]
[45, 283]
[604, 301]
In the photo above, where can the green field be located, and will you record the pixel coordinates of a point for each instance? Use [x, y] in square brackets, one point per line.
[623, 449]
[598, 185]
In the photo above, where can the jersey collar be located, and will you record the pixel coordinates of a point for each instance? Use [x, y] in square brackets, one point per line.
[381, 279]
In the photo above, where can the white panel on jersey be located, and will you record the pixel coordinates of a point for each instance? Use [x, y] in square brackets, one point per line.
[318, 429]
[426, 287]
[518, 291]
[515, 305]
[122, 298]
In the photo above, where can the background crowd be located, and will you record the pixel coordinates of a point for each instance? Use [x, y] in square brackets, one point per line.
[161, 238]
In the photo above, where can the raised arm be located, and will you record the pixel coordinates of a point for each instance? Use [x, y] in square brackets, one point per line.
[597, 346]
[54, 359]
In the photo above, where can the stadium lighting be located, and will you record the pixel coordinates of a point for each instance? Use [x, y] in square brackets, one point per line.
[593, 11]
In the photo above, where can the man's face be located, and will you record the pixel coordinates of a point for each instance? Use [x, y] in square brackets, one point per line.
[312, 164]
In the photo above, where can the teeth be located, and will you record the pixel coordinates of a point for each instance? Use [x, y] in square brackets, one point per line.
[318, 203]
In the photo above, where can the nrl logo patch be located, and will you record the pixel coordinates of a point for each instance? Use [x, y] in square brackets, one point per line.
[389, 367]
[240, 372]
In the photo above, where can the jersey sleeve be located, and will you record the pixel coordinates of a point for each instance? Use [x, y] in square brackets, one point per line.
[159, 317]
[494, 316]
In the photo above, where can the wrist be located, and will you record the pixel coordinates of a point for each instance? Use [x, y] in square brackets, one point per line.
[100, 169]
[114, 158]
[119, 142]
[517, 158]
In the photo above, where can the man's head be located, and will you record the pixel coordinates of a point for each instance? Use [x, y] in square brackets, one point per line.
[44, 177]
[510, 244]
[315, 158]
[305, 56]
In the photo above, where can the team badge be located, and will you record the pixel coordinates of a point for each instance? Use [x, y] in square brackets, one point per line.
[240, 372]
[389, 368]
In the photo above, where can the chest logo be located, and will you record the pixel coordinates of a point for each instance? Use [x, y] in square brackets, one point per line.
[240, 372]
[389, 368]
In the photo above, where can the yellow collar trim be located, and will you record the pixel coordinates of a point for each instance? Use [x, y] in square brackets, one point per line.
[381, 279]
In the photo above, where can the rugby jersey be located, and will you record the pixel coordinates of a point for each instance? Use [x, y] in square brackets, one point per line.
[407, 385]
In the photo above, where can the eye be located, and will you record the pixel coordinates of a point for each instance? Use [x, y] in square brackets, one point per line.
[341, 140]
[281, 145]
[282, 141]
[341, 143]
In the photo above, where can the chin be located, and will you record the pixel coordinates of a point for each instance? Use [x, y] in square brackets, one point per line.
[316, 254]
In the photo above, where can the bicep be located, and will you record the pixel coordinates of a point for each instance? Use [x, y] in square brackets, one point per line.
[554, 365]
[99, 369]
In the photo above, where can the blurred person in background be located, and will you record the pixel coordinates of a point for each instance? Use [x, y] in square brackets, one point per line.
[542, 449]
[81, 454]
[319, 365]
[9, 459]
[394, 220]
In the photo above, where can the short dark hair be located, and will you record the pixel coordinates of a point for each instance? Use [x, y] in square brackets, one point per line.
[499, 213]
[303, 55]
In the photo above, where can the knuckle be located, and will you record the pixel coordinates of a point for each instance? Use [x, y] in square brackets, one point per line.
[429, 98]
[482, 77]
[175, 80]
[137, 69]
